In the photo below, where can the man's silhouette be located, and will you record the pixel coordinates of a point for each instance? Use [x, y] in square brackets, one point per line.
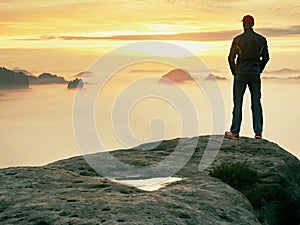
[247, 59]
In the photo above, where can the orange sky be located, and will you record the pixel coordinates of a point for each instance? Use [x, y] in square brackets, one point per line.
[65, 37]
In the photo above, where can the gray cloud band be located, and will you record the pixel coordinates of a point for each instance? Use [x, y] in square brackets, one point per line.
[90, 143]
[223, 35]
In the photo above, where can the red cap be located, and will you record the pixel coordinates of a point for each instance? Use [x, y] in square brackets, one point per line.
[247, 19]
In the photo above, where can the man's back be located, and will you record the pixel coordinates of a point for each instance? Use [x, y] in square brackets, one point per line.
[252, 51]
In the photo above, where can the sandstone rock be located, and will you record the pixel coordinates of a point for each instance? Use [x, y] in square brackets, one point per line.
[71, 192]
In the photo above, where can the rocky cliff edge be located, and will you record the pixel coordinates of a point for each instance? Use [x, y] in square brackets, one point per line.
[71, 192]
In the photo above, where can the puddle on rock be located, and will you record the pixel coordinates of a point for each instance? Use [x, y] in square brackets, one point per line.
[151, 184]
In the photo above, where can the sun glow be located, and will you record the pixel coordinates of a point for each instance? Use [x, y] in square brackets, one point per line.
[197, 48]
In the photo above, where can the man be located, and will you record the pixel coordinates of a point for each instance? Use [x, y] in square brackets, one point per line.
[247, 59]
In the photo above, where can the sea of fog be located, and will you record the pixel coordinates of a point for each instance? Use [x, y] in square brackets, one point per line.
[37, 125]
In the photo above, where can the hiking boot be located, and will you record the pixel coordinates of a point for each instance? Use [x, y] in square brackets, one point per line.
[232, 136]
[258, 136]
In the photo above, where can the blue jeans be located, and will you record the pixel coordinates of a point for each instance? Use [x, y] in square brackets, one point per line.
[239, 87]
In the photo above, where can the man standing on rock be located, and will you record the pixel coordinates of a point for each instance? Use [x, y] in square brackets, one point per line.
[247, 59]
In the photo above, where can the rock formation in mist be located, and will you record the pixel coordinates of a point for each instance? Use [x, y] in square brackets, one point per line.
[20, 79]
[71, 192]
[213, 77]
[181, 76]
[83, 74]
[47, 78]
[176, 76]
[26, 72]
[75, 84]
[283, 71]
[13, 80]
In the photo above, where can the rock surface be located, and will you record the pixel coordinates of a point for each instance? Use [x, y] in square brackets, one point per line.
[71, 192]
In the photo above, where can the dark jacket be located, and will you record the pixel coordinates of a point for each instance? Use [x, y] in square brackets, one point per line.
[252, 51]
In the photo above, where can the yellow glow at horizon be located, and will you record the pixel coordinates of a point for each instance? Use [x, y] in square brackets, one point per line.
[171, 28]
[193, 48]
[197, 48]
